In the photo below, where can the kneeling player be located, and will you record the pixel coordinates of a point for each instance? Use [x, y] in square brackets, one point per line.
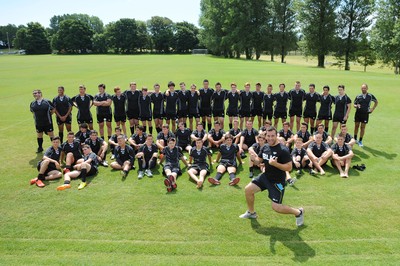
[87, 166]
[200, 166]
[227, 153]
[147, 157]
[277, 161]
[172, 155]
[342, 155]
[124, 157]
[49, 166]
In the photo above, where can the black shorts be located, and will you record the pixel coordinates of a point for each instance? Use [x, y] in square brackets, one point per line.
[120, 162]
[102, 117]
[324, 117]
[295, 113]
[77, 156]
[244, 113]
[173, 167]
[120, 118]
[257, 113]
[67, 120]
[200, 167]
[278, 114]
[93, 171]
[46, 128]
[268, 115]
[361, 117]
[145, 118]
[195, 115]
[182, 113]
[132, 114]
[227, 163]
[339, 118]
[232, 113]
[87, 120]
[170, 116]
[205, 112]
[157, 116]
[310, 114]
[275, 190]
[219, 113]
[50, 167]
[183, 146]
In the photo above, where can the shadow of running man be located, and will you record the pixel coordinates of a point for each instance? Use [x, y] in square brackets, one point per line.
[289, 238]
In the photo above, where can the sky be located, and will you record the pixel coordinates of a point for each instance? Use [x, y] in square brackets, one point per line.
[20, 12]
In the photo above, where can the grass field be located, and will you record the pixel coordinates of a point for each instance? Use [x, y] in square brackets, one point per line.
[352, 221]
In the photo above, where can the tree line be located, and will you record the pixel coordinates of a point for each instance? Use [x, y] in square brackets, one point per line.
[351, 30]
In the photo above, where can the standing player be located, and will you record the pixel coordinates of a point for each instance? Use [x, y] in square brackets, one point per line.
[246, 104]
[49, 167]
[124, 157]
[71, 151]
[103, 102]
[171, 101]
[145, 114]
[200, 166]
[83, 102]
[183, 102]
[342, 155]
[98, 146]
[62, 107]
[325, 110]
[281, 98]
[218, 104]
[193, 102]
[296, 96]
[147, 157]
[258, 98]
[268, 103]
[310, 108]
[233, 104]
[87, 166]
[119, 101]
[362, 103]
[42, 110]
[157, 98]
[132, 107]
[205, 104]
[277, 161]
[342, 109]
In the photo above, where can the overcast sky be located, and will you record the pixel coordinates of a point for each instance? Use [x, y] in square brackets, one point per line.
[23, 11]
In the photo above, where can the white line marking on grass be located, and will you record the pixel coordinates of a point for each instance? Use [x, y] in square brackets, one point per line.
[15, 124]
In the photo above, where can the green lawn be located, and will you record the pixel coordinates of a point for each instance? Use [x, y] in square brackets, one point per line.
[347, 221]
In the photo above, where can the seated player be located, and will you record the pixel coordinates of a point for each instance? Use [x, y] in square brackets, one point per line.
[147, 157]
[216, 135]
[267, 124]
[87, 166]
[299, 157]
[199, 133]
[342, 155]
[319, 153]
[113, 141]
[71, 151]
[83, 134]
[304, 135]
[138, 139]
[124, 157]
[285, 135]
[247, 138]
[183, 138]
[172, 169]
[325, 136]
[235, 131]
[163, 137]
[49, 167]
[254, 150]
[348, 139]
[98, 146]
[200, 166]
[227, 153]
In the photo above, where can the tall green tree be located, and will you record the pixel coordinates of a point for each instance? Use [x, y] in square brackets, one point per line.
[365, 54]
[73, 36]
[8, 34]
[123, 35]
[318, 26]
[386, 33]
[33, 39]
[94, 23]
[161, 32]
[185, 37]
[354, 17]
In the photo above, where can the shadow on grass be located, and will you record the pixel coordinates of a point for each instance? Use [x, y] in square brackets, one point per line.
[289, 238]
[33, 162]
[377, 153]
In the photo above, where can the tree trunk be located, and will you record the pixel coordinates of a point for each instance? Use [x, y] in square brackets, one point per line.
[272, 55]
[346, 60]
[258, 54]
[396, 67]
[365, 68]
[321, 60]
[237, 54]
[283, 54]
[248, 53]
